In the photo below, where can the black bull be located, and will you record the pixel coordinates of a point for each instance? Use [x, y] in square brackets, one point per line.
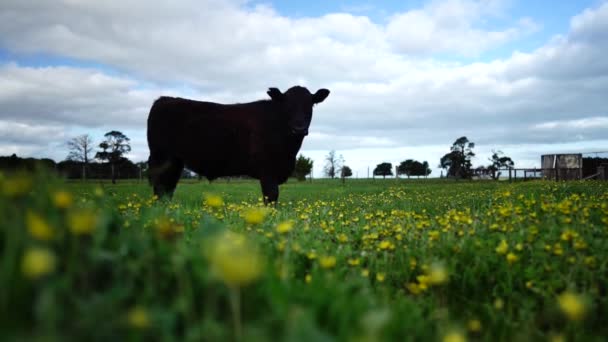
[259, 139]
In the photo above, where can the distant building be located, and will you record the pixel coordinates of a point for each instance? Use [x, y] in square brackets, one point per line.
[562, 166]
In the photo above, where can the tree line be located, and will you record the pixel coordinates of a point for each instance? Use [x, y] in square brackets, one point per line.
[88, 160]
[457, 163]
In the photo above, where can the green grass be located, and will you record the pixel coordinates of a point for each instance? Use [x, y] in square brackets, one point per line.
[366, 260]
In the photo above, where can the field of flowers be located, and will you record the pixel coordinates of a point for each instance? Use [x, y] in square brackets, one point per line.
[365, 261]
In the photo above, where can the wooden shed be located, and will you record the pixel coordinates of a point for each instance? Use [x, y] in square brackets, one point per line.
[562, 166]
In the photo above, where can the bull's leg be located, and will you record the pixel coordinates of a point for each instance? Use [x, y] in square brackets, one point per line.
[270, 191]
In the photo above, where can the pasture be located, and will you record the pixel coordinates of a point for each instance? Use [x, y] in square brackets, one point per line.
[366, 261]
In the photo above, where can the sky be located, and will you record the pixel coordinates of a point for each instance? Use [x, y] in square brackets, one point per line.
[407, 78]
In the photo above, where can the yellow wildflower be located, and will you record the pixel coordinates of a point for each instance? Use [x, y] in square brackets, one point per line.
[37, 262]
[572, 305]
[38, 227]
[83, 221]
[353, 262]
[327, 262]
[499, 304]
[308, 278]
[99, 192]
[365, 273]
[384, 245]
[138, 318]
[512, 258]
[62, 199]
[234, 259]
[214, 201]
[255, 216]
[380, 277]
[474, 325]
[284, 227]
[503, 247]
[454, 336]
[413, 288]
[437, 274]
[167, 228]
[557, 338]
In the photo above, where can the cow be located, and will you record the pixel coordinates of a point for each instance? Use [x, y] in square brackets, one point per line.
[258, 139]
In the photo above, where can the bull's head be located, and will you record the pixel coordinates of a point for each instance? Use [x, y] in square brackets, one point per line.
[296, 104]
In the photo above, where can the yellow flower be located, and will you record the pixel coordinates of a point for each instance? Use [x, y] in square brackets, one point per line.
[354, 262]
[166, 228]
[37, 262]
[214, 201]
[38, 227]
[512, 258]
[384, 245]
[62, 199]
[254, 216]
[138, 318]
[99, 192]
[82, 222]
[572, 305]
[308, 278]
[234, 259]
[327, 262]
[557, 338]
[454, 336]
[474, 325]
[380, 277]
[503, 247]
[437, 274]
[365, 273]
[413, 288]
[284, 227]
[499, 304]
[343, 238]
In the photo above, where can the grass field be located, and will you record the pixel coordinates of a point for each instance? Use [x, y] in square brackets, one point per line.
[365, 261]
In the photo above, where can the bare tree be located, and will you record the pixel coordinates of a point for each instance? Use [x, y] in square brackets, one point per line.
[333, 164]
[81, 148]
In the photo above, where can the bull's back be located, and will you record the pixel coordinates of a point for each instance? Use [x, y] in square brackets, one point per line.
[209, 138]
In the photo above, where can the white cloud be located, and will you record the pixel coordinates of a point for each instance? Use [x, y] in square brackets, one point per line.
[450, 26]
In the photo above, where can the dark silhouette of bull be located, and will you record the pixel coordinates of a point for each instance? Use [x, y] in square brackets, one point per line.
[258, 139]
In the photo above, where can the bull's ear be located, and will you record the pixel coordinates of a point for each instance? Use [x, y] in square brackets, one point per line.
[275, 94]
[320, 95]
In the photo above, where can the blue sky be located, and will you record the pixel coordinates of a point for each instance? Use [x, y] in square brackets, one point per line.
[407, 77]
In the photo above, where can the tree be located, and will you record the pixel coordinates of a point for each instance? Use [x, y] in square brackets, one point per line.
[458, 160]
[80, 149]
[303, 167]
[332, 164]
[421, 169]
[345, 172]
[499, 160]
[383, 169]
[113, 149]
[405, 168]
[412, 167]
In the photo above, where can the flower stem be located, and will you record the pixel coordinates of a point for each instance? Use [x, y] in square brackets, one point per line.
[235, 303]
